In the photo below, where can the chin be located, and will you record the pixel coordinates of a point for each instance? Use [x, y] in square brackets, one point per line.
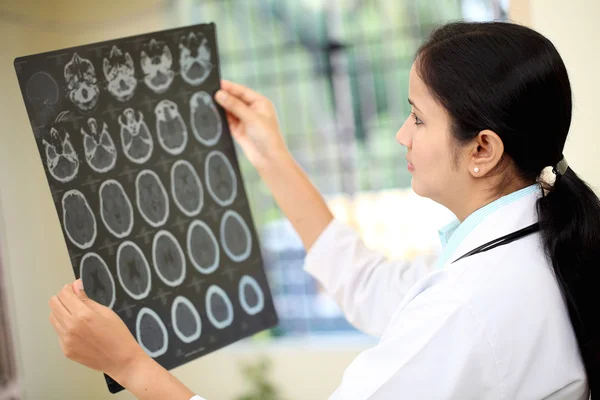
[418, 188]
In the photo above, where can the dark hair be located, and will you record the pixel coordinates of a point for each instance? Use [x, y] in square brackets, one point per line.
[510, 79]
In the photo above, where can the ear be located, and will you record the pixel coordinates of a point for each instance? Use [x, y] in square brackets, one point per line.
[168, 56]
[144, 61]
[486, 152]
[204, 51]
[128, 61]
[67, 71]
[106, 67]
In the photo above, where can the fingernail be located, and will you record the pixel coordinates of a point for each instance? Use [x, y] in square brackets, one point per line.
[221, 95]
[79, 284]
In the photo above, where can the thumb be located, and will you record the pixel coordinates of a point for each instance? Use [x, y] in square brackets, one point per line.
[234, 105]
[80, 292]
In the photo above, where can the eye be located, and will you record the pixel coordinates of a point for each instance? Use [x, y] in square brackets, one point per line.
[417, 120]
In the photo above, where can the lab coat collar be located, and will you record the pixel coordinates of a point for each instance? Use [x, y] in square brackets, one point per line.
[456, 236]
[447, 231]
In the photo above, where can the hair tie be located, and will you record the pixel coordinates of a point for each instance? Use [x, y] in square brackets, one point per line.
[560, 168]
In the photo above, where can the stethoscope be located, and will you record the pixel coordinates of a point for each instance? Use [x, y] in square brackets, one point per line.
[506, 239]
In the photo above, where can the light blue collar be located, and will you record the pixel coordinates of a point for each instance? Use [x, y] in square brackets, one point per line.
[455, 232]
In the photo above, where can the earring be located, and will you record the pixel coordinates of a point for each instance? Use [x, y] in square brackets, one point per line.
[476, 169]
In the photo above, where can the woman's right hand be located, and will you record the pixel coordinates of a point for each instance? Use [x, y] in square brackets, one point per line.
[253, 122]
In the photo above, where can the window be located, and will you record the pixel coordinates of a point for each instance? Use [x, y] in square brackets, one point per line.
[337, 71]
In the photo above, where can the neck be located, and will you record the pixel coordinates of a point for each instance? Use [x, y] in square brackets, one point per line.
[480, 197]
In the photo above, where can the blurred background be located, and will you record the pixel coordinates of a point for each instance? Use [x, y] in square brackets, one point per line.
[337, 71]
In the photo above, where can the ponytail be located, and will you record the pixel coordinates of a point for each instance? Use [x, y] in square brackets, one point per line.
[569, 216]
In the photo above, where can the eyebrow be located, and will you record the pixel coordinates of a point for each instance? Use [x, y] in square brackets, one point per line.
[414, 105]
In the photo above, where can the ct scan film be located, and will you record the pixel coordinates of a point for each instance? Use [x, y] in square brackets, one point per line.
[145, 179]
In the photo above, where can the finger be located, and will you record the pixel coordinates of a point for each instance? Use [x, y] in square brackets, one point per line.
[71, 301]
[232, 120]
[63, 348]
[59, 310]
[79, 291]
[57, 325]
[244, 93]
[234, 105]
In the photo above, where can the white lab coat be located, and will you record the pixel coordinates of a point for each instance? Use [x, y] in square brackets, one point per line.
[491, 326]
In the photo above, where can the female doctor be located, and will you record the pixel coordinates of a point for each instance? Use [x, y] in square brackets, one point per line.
[509, 311]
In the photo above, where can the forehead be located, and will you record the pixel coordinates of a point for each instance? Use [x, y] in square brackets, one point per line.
[420, 95]
[416, 86]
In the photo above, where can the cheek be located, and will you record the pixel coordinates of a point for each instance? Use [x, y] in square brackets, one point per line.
[432, 160]
[425, 149]
[431, 149]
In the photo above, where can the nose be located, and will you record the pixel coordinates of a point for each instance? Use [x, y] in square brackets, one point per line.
[404, 134]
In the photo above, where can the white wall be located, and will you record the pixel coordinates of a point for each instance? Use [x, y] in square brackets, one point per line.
[574, 28]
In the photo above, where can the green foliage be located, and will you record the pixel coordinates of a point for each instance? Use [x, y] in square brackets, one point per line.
[261, 388]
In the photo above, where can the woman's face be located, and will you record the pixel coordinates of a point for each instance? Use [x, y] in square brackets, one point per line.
[426, 135]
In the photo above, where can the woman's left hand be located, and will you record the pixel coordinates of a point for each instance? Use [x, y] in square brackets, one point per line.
[92, 334]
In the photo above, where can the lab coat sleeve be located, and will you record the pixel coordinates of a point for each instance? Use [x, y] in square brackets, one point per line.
[197, 398]
[364, 284]
[434, 349]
